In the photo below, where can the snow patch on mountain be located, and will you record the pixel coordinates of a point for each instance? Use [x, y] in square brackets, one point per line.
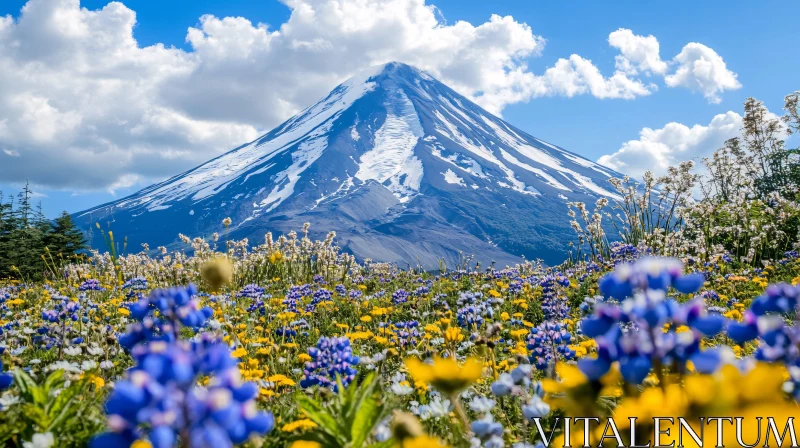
[391, 161]
[451, 131]
[541, 173]
[452, 178]
[306, 154]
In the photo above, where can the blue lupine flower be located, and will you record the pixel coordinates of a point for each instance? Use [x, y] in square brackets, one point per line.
[400, 296]
[159, 398]
[555, 308]
[319, 296]
[765, 319]
[631, 334]
[160, 393]
[332, 358]
[252, 291]
[135, 284]
[406, 333]
[91, 285]
[355, 294]
[548, 340]
[174, 305]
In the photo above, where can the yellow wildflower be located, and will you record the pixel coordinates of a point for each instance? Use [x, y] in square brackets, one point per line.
[305, 444]
[281, 380]
[433, 328]
[302, 425]
[453, 335]
[445, 374]
[422, 442]
[518, 334]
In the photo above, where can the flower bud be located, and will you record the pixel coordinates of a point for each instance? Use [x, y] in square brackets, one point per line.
[217, 273]
[405, 426]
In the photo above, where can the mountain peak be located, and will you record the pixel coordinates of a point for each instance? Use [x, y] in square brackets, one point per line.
[393, 70]
[402, 167]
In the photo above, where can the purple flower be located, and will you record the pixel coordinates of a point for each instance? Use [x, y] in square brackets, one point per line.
[91, 285]
[331, 359]
[400, 296]
[159, 398]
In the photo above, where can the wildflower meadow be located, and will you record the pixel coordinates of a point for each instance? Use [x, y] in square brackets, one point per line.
[678, 307]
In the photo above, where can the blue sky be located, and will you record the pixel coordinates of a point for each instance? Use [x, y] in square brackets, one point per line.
[751, 38]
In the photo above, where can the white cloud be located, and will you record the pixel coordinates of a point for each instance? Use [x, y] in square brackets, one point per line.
[84, 106]
[701, 69]
[658, 149]
[638, 53]
[77, 91]
[697, 67]
[576, 75]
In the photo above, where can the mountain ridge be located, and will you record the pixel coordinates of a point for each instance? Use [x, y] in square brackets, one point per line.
[404, 168]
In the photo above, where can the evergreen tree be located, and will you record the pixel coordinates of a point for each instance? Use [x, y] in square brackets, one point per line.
[26, 236]
[64, 238]
[7, 226]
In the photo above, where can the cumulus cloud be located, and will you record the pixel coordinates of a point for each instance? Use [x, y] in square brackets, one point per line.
[80, 102]
[658, 149]
[637, 53]
[697, 67]
[701, 69]
[84, 106]
[576, 75]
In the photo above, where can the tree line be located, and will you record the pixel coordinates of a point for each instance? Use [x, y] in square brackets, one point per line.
[30, 244]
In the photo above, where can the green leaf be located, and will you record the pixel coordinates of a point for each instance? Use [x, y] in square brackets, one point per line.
[322, 438]
[23, 381]
[64, 405]
[357, 395]
[384, 444]
[55, 380]
[36, 415]
[365, 420]
[316, 413]
[29, 390]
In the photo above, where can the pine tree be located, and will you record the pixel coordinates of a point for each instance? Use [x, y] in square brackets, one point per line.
[30, 244]
[7, 225]
[27, 238]
[64, 238]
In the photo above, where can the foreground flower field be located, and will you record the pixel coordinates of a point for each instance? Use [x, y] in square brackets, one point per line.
[293, 344]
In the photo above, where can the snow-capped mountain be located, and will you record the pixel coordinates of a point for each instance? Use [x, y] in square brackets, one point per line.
[402, 167]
